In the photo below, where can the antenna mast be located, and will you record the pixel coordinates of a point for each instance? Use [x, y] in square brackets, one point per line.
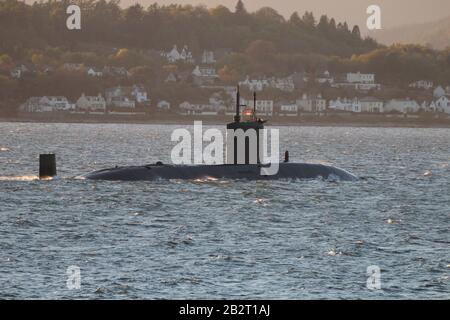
[237, 117]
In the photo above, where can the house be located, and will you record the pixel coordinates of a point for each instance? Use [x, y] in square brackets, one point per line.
[372, 105]
[358, 81]
[171, 78]
[69, 66]
[263, 107]
[439, 92]
[402, 106]
[284, 84]
[19, 71]
[175, 56]
[115, 72]
[357, 86]
[139, 94]
[91, 103]
[163, 105]
[46, 104]
[422, 84]
[254, 85]
[47, 70]
[287, 109]
[325, 78]
[204, 72]
[197, 108]
[428, 106]
[360, 77]
[126, 97]
[122, 102]
[443, 104]
[217, 101]
[31, 105]
[208, 57]
[311, 103]
[94, 72]
[204, 75]
[348, 105]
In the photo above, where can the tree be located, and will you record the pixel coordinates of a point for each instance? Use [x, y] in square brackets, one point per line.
[323, 24]
[240, 8]
[5, 59]
[228, 75]
[295, 20]
[309, 20]
[269, 15]
[332, 24]
[37, 59]
[261, 51]
[356, 32]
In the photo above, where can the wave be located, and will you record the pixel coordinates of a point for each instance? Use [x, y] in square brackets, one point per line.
[19, 178]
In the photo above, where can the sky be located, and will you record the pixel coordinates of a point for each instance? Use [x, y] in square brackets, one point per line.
[394, 12]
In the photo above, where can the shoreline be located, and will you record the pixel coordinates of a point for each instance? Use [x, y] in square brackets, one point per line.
[189, 120]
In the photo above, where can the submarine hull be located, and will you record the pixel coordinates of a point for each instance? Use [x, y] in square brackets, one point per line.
[246, 172]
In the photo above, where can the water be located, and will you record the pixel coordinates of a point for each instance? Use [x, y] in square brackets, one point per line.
[225, 239]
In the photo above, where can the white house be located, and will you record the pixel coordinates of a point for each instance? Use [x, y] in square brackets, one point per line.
[208, 57]
[422, 84]
[358, 81]
[163, 105]
[402, 106]
[370, 104]
[443, 104]
[197, 108]
[171, 78]
[115, 71]
[139, 94]
[357, 86]
[94, 72]
[123, 96]
[91, 103]
[438, 92]
[325, 78]
[311, 103]
[122, 102]
[204, 75]
[69, 66]
[46, 104]
[283, 84]
[288, 109]
[19, 71]
[253, 84]
[360, 77]
[428, 106]
[263, 107]
[349, 105]
[174, 55]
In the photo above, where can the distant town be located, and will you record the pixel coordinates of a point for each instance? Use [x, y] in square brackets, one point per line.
[137, 99]
[179, 62]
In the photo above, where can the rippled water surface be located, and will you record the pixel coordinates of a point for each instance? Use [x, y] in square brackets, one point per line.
[225, 239]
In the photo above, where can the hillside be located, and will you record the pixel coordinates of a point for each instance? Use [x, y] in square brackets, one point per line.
[436, 34]
[158, 27]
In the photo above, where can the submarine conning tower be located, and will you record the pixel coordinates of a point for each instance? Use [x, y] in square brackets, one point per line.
[243, 135]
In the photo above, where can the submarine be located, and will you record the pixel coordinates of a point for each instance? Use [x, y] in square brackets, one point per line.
[240, 165]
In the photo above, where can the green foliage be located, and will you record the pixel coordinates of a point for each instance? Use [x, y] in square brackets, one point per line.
[43, 24]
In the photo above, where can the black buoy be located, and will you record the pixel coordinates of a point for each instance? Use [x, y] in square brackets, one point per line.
[47, 166]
